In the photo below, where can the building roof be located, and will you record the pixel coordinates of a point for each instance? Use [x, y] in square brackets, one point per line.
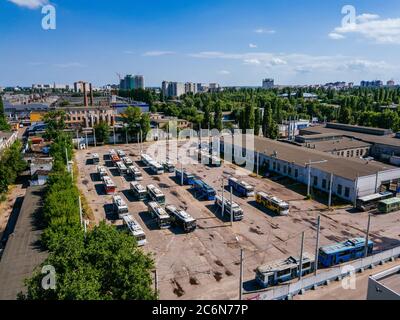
[337, 145]
[389, 140]
[348, 168]
[390, 279]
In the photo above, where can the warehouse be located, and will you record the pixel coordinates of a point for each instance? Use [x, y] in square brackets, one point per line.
[349, 178]
[384, 144]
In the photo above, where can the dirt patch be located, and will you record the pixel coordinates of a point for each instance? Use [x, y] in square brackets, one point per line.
[156, 178]
[163, 186]
[193, 281]
[219, 263]
[256, 231]
[228, 273]
[218, 276]
[178, 290]
[85, 182]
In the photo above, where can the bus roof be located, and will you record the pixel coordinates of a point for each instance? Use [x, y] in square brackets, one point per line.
[391, 201]
[342, 246]
[284, 264]
[375, 196]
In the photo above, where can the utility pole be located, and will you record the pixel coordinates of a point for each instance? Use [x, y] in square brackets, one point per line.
[80, 210]
[182, 173]
[94, 136]
[309, 174]
[317, 245]
[367, 237]
[87, 143]
[77, 140]
[330, 191]
[258, 163]
[231, 207]
[114, 133]
[156, 282]
[301, 256]
[126, 136]
[356, 192]
[241, 276]
[223, 200]
[85, 223]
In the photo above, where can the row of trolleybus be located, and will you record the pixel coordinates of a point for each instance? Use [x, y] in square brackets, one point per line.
[164, 215]
[285, 270]
[383, 202]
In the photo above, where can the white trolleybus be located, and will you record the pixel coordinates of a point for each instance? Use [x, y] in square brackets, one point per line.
[181, 218]
[285, 270]
[121, 154]
[272, 203]
[155, 194]
[162, 217]
[156, 168]
[135, 229]
[122, 169]
[138, 190]
[102, 172]
[146, 159]
[371, 202]
[237, 211]
[109, 185]
[127, 161]
[120, 206]
[95, 158]
[241, 187]
[135, 173]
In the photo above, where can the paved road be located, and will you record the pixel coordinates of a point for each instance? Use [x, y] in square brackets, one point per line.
[22, 255]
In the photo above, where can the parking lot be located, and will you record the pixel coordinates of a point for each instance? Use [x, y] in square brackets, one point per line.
[205, 264]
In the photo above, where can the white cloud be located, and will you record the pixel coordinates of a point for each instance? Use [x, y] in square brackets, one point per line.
[252, 45]
[336, 36]
[157, 53]
[69, 65]
[30, 4]
[264, 31]
[252, 61]
[224, 72]
[297, 63]
[371, 27]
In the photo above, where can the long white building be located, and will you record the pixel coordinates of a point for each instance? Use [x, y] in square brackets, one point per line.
[351, 178]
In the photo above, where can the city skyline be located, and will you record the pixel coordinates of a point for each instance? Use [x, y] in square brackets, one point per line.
[200, 43]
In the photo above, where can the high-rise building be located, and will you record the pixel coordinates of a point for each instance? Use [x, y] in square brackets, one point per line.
[190, 87]
[132, 82]
[372, 84]
[391, 83]
[268, 83]
[173, 89]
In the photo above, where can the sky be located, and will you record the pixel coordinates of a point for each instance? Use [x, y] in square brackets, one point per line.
[232, 42]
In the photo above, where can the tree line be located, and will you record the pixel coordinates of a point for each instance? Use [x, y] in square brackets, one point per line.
[102, 264]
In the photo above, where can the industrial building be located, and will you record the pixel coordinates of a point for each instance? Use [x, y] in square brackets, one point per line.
[384, 145]
[385, 285]
[346, 178]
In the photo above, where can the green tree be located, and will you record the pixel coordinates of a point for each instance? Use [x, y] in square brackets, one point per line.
[218, 116]
[102, 131]
[4, 126]
[55, 121]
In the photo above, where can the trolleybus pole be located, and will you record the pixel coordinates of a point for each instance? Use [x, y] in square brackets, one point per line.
[301, 256]
[317, 245]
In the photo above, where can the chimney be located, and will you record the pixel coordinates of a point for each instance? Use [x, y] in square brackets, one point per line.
[91, 94]
[85, 98]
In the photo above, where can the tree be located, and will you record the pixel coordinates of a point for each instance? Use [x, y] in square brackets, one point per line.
[4, 126]
[55, 121]
[11, 165]
[102, 131]
[218, 116]
[106, 265]
[257, 122]
[136, 121]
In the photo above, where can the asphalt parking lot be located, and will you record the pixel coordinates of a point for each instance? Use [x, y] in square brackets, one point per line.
[205, 264]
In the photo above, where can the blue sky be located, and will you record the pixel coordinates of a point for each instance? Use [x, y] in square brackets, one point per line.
[227, 41]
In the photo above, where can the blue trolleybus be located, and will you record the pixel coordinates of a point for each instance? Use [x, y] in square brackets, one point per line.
[188, 178]
[203, 190]
[343, 252]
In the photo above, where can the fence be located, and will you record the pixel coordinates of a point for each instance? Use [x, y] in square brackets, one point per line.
[322, 278]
